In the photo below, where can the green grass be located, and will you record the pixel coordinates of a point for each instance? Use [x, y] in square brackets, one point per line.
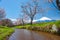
[4, 32]
[44, 24]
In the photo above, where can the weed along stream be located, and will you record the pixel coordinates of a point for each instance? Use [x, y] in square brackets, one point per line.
[23, 34]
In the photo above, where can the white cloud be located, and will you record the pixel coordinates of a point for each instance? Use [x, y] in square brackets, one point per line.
[12, 19]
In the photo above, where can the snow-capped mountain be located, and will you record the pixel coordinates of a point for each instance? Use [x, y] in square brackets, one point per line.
[43, 19]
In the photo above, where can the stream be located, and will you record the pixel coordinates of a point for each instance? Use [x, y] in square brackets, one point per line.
[23, 34]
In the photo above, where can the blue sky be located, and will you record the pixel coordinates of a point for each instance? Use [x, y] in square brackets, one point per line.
[12, 8]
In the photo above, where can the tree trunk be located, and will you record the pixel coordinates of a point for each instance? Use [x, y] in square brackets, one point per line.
[31, 21]
[22, 22]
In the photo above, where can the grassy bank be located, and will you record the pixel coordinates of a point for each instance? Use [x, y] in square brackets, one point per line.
[43, 24]
[4, 32]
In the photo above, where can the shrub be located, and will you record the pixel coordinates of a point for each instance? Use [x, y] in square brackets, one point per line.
[30, 27]
[23, 27]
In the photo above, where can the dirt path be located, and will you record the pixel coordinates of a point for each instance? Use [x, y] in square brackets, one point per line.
[22, 34]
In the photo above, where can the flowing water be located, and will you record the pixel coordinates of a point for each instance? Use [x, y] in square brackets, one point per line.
[23, 34]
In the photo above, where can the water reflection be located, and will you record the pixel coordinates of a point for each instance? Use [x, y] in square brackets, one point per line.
[23, 34]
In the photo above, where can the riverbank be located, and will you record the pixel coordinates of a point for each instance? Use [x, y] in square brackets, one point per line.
[44, 27]
[5, 32]
[9, 31]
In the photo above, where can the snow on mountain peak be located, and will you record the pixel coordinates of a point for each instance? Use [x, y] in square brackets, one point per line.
[45, 18]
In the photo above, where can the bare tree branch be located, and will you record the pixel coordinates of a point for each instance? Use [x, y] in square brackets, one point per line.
[31, 9]
[51, 1]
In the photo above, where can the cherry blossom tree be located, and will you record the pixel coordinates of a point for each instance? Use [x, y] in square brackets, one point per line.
[2, 14]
